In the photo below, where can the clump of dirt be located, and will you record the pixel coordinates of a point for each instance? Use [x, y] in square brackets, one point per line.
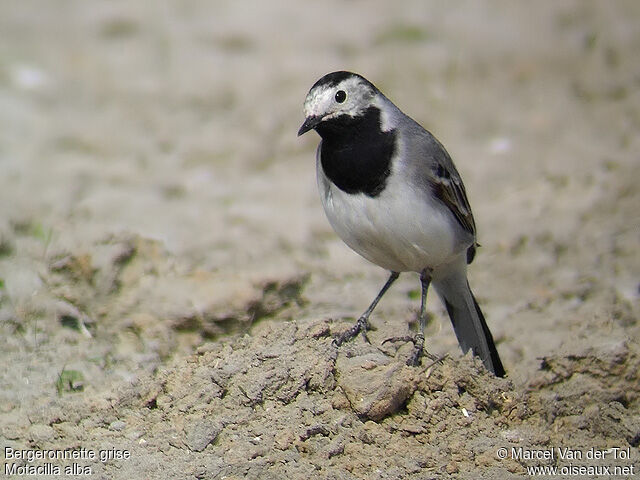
[132, 275]
[283, 401]
[123, 306]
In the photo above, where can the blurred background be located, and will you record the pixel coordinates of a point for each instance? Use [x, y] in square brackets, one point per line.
[152, 184]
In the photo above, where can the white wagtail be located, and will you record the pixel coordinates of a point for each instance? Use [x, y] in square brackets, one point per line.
[392, 193]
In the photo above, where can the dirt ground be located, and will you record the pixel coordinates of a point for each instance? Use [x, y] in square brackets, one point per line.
[169, 286]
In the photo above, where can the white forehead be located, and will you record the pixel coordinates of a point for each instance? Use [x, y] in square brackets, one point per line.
[321, 98]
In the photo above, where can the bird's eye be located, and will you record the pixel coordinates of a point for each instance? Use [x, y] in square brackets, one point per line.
[341, 96]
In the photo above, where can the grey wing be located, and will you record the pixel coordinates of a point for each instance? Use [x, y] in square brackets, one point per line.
[446, 185]
[449, 189]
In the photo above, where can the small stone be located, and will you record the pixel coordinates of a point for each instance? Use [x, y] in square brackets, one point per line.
[200, 434]
[513, 436]
[41, 433]
[339, 401]
[335, 448]
[375, 392]
[117, 426]
[319, 330]
[284, 439]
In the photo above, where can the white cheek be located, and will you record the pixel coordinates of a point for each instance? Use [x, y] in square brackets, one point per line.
[386, 122]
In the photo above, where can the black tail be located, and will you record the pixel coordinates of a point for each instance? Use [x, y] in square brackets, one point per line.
[472, 330]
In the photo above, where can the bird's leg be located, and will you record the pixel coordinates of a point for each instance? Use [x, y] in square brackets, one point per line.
[362, 324]
[418, 342]
[418, 339]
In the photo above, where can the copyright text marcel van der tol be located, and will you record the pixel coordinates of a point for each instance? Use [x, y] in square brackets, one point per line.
[566, 461]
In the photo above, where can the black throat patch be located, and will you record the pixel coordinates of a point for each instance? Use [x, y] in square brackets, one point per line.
[356, 154]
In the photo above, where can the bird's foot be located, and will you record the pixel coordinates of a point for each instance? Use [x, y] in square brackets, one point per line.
[361, 325]
[418, 348]
[418, 351]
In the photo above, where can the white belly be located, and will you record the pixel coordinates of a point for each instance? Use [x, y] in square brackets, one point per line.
[400, 232]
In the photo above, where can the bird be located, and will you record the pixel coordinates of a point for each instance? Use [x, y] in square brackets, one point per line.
[392, 193]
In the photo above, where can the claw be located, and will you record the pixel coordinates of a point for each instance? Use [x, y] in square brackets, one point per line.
[418, 347]
[361, 325]
[405, 339]
[416, 355]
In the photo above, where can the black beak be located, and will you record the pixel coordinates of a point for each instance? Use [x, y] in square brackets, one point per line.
[309, 124]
